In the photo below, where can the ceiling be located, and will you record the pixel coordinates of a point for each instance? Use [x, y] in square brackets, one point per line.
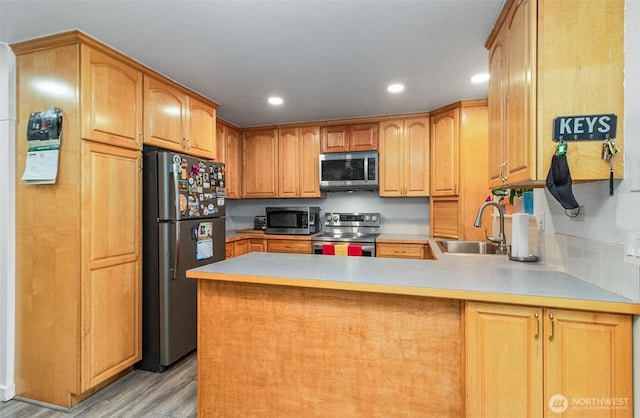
[326, 59]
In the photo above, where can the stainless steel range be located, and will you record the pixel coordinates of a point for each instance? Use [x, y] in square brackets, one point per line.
[348, 234]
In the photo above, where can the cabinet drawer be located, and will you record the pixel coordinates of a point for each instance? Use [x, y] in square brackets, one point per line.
[289, 246]
[400, 250]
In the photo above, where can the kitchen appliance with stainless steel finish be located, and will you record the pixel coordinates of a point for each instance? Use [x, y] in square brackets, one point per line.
[183, 228]
[296, 220]
[357, 230]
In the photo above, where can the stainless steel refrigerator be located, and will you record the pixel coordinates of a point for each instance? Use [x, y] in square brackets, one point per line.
[183, 228]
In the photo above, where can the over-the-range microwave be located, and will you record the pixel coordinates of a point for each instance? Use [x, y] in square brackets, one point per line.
[349, 171]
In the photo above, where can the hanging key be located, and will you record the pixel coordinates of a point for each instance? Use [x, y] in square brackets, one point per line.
[609, 150]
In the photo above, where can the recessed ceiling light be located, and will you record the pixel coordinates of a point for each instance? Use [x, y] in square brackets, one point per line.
[395, 88]
[276, 100]
[480, 78]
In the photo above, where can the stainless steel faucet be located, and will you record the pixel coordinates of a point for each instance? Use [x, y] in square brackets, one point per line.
[500, 239]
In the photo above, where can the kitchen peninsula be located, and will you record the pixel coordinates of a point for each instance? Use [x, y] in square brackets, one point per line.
[307, 335]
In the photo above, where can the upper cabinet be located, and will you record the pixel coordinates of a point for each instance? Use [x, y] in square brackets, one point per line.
[260, 163]
[445, 142]
[404, 157]
[176, 121]
[542, 69]
[111, 99]
[228, 150]
[298, 151]
[351, 137]
[459, 149]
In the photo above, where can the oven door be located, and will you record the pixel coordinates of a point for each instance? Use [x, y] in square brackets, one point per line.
[354, 249]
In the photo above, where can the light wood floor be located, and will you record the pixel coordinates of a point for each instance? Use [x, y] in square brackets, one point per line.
[171, 394]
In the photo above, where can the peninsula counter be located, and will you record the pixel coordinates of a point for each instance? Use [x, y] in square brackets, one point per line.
[284, 335]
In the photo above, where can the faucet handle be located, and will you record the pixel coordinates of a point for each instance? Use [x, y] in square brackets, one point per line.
[497, 239]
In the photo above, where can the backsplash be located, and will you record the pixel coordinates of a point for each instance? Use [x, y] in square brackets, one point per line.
[399, 215]
[600, 263]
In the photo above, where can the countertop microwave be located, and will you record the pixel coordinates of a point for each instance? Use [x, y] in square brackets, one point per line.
[299, 220]
[349, 171]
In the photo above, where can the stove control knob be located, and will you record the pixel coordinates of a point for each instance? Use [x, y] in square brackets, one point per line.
[328, 218]
[374, 218]
[336, 218]
[367, 218]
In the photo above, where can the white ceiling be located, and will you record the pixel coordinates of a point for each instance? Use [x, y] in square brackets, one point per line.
[327, 59]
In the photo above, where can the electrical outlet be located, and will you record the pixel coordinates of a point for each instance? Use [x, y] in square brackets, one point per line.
[540, 221]
[579, 217]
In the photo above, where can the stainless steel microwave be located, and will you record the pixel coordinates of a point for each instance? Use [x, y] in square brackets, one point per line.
[349, 171]
[301, 220]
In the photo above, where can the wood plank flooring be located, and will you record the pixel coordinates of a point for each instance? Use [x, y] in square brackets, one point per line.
[171, 394]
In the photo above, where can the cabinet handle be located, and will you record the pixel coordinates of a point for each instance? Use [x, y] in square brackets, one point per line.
[537, 315]
[553, 327]
[503, 178]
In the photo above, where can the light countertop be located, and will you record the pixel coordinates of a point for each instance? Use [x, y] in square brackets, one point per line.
[490, 278]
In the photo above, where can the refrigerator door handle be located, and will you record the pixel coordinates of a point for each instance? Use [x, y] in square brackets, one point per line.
[176, 253]
[176, 247]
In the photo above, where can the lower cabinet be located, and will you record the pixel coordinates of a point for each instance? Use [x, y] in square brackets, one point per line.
[288, 246]
[524, 361]
[401, 250]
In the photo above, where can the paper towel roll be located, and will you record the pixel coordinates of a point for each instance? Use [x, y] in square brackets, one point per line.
[520, 235]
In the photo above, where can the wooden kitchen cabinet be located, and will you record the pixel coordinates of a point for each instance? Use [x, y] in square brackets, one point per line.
[178, 121]
[260, 163]
[404, 157]
[541, 69]
[350, 137]
[459, 152]
[78, 241]
[520, 358]
[111, 99]
[298, 171]
[445, 155]
[289, 246]
[229, 151]
[404, 250]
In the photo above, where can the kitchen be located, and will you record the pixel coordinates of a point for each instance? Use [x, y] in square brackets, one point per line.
[592, 250]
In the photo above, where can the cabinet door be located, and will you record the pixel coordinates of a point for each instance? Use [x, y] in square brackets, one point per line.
[288, 163]
[391, 158]
[363, 137]
[503, 361]
[588, 356]
[111, 102]
[257, 245]
[400, 251]
[202, 134]
[416, 157]
[520, 113]
[497, 119]
[231, 157]
[111, 284]
[445, 217]
[288, 246]
[445, 137]
[165, 113]
[309, 162]
[335, 138]
[260, 164]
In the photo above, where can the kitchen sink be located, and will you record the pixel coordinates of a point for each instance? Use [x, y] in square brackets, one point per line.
[468, 247]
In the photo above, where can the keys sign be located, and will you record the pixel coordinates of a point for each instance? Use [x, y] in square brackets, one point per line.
[585, 127]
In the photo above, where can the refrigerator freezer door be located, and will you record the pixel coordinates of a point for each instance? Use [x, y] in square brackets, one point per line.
[189, 188]
[200, 242]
